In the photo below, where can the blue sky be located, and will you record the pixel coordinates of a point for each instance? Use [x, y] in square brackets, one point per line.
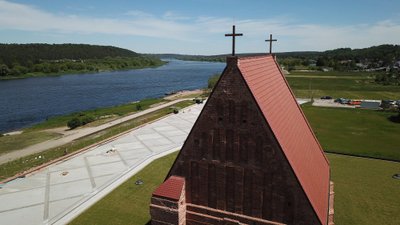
[198, 26]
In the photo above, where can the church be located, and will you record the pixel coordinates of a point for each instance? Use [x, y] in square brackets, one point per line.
[250, 158]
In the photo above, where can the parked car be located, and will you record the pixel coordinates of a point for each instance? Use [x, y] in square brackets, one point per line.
[342, 100]
[388, 104]
[198, 100]
[354, 102]
[326, 97]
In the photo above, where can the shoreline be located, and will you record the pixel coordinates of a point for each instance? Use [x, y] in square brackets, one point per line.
[74, 72]
[171, 97]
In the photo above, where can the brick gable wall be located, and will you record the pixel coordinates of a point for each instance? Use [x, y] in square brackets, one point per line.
[231, 160]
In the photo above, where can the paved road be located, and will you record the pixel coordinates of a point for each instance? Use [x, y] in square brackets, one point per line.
[75, 134]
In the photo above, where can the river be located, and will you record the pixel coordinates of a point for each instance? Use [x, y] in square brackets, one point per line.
[25, 102]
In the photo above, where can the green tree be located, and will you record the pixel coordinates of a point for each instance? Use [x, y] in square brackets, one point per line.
[212, 81]
[4, 71]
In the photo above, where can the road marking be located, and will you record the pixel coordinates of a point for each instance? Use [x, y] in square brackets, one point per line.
[46, 197]
[89, 170]
[122, 159]
[163, 135]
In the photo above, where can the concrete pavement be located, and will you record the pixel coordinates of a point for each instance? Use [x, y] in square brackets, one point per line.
[75, 134]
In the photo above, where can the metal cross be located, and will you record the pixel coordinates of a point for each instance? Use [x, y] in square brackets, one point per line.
[270, 43]
[233, 35]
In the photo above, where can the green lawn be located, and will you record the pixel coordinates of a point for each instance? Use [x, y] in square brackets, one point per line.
[129, 203]
[347, 85]
[336, 73]
[355, 131]
[119, 110]
[19, 141]
[365, 192]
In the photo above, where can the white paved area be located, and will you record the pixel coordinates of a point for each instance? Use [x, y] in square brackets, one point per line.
[55, 194]
[58, 193]
[75, 134]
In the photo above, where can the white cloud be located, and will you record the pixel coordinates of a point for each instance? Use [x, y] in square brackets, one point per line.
[170, 15]
[138, 13]
[205, 34]
[24, 17]
[296, 36]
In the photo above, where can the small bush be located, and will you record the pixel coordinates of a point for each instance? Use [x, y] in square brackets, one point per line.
[138, 107]
[81, 120]
[74, 123]
[395, 118]
[212, 81]
[87, 119]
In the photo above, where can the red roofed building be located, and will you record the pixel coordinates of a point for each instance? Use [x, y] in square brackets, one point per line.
[251, 157]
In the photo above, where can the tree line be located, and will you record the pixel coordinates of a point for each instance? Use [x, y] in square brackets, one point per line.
[342, 59]
[18, 60]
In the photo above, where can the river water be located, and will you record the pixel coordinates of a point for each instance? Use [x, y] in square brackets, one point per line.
[25, 102]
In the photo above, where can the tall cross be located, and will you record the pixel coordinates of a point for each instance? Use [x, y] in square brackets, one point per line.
[233, 35]
[270, 43]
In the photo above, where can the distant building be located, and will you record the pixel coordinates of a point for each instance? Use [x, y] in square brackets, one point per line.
[397, 65]
[327, 69]
[251, 157]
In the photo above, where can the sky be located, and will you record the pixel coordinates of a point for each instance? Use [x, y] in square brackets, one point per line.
[198, 26]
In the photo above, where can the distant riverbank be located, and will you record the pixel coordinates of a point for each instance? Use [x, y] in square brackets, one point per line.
[92, 66]
[31, 60]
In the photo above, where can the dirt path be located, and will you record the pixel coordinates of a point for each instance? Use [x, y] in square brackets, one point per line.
[184, 94]
[72, 135]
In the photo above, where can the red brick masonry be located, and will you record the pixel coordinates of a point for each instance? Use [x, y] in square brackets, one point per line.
[168, 205]
[165, 210]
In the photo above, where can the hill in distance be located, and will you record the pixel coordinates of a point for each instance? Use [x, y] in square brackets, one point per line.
[388, 54]
[26, 60]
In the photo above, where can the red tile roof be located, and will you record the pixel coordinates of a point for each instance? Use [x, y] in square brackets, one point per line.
[287, 121]
[171, 188]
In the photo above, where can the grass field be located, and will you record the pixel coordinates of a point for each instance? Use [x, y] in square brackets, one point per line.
[14, 142]
[119, 110]
[354, 85]
[355, 131]
[336, 73]
[365, 194]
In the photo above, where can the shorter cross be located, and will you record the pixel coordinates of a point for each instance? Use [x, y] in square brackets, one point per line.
[233, 35]
[270, 43]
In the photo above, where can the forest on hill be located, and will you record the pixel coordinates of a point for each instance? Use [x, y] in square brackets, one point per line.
[25, 60]
[338, 59]
[384, 59]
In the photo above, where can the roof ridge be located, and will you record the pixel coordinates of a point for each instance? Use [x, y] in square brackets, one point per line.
[254, 57]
